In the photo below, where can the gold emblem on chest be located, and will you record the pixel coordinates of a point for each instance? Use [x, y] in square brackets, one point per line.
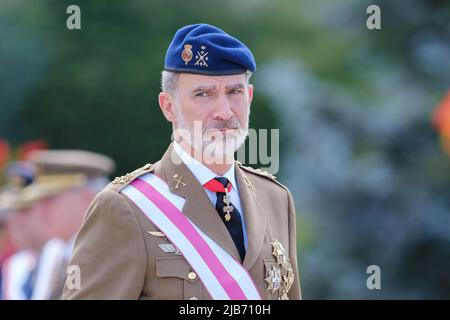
[280, 276]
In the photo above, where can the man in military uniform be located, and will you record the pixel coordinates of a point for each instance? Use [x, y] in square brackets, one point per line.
[44, 217]
[65, 184]
[18, 175]
[18, 258]
[196, 224]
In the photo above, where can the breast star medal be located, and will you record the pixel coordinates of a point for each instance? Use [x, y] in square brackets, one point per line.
[274, 279]
[281, 275]
[227, 209]
[186, 55]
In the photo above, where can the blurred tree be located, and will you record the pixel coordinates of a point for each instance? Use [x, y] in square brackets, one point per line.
[372, 183]
[99, 87]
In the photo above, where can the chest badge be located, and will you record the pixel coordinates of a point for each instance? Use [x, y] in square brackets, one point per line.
[280, 276]
[273, 280]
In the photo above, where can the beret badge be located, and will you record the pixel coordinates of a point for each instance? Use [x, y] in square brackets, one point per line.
[186, 55]
[201, 57]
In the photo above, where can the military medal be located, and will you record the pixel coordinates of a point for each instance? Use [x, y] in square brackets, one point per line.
[274, 279]
[224, 192]
[280, 276]
[227, 209]
[170, 248]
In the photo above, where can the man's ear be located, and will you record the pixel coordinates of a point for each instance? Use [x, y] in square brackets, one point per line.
[250, 94]
[167, 106]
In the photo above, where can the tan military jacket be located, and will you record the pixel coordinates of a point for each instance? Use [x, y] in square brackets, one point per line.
[118, 257]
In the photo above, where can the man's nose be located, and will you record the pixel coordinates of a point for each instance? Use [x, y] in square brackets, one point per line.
[222, 108]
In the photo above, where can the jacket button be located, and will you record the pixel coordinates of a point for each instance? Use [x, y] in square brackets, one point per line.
[192, 276]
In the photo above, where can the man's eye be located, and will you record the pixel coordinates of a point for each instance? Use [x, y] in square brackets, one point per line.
[202, 94]
[236, 91]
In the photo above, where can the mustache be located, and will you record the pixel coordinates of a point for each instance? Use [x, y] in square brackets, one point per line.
[223, 124]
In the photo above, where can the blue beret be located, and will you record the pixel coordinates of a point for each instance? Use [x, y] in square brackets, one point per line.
[205, 49]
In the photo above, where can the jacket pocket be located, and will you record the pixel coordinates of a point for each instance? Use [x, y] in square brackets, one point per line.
[177, 280]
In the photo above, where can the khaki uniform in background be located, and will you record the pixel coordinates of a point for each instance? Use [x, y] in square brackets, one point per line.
[60, 171]
[16, 262]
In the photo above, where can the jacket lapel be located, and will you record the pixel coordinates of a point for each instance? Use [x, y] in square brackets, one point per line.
[197, 206]
[255, 218]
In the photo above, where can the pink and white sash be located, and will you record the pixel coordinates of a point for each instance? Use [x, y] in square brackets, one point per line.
[222, 275]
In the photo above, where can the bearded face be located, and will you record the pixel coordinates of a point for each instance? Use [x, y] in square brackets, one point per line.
[212, 114]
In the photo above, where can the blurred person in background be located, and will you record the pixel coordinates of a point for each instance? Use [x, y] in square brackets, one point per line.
[65, 185]
[17, 239]
[7, 247]
[18, 270]
[47, 215]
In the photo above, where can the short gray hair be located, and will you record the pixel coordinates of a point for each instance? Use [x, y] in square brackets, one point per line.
[169, 80]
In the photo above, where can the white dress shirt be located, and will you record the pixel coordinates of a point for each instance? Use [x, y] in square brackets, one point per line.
[203, 175]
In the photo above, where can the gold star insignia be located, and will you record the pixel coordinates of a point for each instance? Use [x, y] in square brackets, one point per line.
[274, 279]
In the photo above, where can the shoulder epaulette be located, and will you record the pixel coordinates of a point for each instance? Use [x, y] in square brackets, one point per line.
[121, 182]
[261, 173]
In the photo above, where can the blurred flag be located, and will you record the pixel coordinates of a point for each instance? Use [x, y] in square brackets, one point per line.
[27, 147]
[4, 153]
[441, 121]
